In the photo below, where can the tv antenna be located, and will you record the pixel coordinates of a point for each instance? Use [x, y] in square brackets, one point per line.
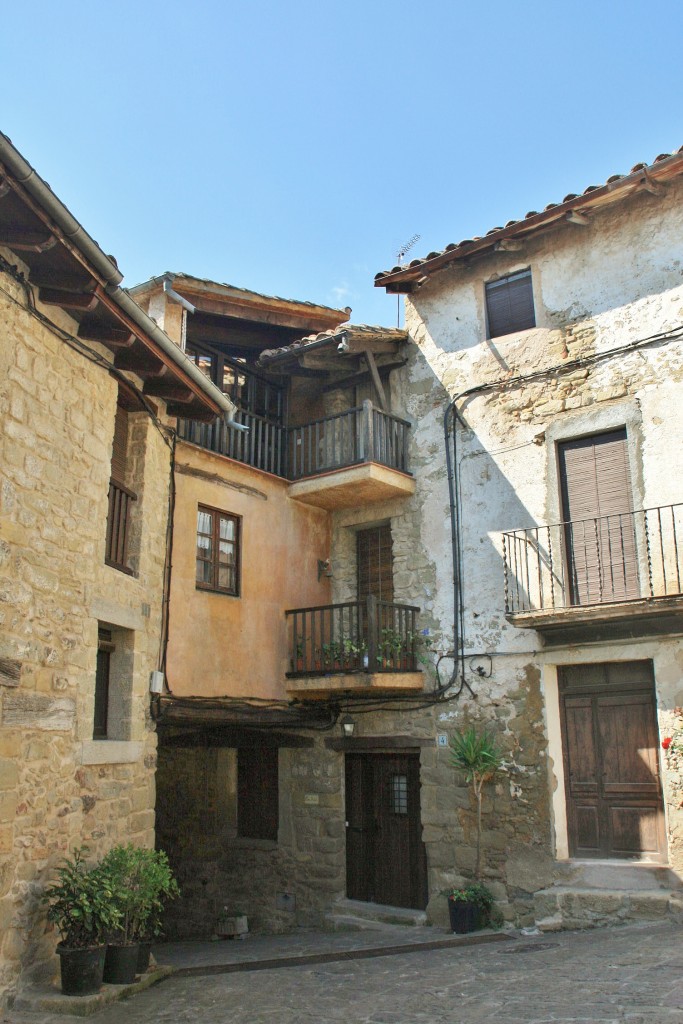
[400, 256]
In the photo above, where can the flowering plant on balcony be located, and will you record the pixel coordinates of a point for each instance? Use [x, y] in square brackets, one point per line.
[672, 745]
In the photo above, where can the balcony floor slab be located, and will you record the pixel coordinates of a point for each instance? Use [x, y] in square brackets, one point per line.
[654, 616]
[312, 687]
[353, 487]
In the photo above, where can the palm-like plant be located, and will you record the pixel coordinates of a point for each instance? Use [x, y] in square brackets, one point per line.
[478, 757]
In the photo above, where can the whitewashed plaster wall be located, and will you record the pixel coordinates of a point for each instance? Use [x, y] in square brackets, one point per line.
[597, 287]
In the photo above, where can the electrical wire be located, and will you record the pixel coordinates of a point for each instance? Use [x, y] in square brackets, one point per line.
[452, 416]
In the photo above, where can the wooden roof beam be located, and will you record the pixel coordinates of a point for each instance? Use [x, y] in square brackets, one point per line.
[509, 245]
[168, 388]
[4, 187]
[26, 239]
[81, 301]
[574, 217]
[190, 410]
[139, 360]
[107, 334]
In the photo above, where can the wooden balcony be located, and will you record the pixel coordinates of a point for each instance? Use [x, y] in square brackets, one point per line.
[608, 577]
[356, 457]
[356, 647]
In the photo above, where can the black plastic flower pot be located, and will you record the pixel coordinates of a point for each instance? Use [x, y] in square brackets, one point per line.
[81, 969]
[143, 957]
[120, 964]
[464, 916]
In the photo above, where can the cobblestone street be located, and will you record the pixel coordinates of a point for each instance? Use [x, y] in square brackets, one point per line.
[631, 974]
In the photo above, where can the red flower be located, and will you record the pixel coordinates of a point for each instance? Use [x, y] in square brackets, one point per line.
[666, 742]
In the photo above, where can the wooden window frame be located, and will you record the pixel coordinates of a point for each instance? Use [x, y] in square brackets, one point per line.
[512, 327]
[217, 515]
[105, 649]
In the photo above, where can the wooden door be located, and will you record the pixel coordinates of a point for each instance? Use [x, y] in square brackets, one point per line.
[614, 799]
[596, 509]
[385, 856]
[375, 563]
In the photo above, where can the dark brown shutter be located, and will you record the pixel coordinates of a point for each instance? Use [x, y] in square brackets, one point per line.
[596, 506]
[375, 563]
[510, 304]
[120, 448]
[257, 792]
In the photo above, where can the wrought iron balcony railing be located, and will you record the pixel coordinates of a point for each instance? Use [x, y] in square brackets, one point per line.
[348, 438]
[357, 636]
[629, 556]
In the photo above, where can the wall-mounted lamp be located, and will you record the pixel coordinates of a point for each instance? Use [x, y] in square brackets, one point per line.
[324, 568]
[347, 724]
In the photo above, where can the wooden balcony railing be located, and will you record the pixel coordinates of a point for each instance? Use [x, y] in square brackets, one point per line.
[363, 434]
[264, 446]
[605, 560]
[118, 526]
[357, 636]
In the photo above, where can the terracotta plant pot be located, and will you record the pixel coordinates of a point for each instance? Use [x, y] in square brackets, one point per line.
[81, 969]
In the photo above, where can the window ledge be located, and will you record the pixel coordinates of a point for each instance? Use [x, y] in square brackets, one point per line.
[248, 843]
[110, 752]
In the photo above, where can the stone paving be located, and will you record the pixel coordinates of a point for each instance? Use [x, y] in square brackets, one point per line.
[632, 974]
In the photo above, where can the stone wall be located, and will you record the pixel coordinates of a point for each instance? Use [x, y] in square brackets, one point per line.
[614, 283]
[59, 788]
[278, 885]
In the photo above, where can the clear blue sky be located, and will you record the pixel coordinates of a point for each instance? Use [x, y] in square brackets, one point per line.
[292, 147]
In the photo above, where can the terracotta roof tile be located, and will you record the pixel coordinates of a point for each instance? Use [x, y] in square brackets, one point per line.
[454, 247]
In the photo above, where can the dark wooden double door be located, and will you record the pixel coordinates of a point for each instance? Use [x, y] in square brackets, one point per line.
[385, 856]
[610, 738]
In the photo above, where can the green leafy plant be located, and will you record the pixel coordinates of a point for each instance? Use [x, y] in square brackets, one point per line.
[478, 757]
[82, 903]
[143, 881]
[476, 893]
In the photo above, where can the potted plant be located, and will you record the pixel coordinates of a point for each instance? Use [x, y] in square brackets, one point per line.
[82, 906]
[157, 886]
[469, 907]
[143, 881]
[478, 757]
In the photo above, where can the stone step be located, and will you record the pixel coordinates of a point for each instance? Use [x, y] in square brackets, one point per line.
[376, 913]
[567, 907]
[615, 875]
[349, 923]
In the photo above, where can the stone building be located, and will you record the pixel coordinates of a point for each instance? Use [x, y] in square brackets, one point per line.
[333, 545]
[556, 343]
[474, 520]
[89, 386]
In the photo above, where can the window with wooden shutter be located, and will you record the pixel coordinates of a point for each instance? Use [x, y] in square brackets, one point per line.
[375, 562]
[510, 304]
[119, 455]
[120, 496]
[257, 792]
[597, 511]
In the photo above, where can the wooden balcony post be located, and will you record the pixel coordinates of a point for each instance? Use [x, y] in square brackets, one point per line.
[372, 623]
[367, 439]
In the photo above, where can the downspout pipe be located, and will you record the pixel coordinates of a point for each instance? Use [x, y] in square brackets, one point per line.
[451, 418]
[111, 275]
[176, 297]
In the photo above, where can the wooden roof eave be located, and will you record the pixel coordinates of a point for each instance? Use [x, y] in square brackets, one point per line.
[84, 296]
[408, 279]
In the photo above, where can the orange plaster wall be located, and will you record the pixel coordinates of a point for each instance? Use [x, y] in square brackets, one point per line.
[222, 645]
